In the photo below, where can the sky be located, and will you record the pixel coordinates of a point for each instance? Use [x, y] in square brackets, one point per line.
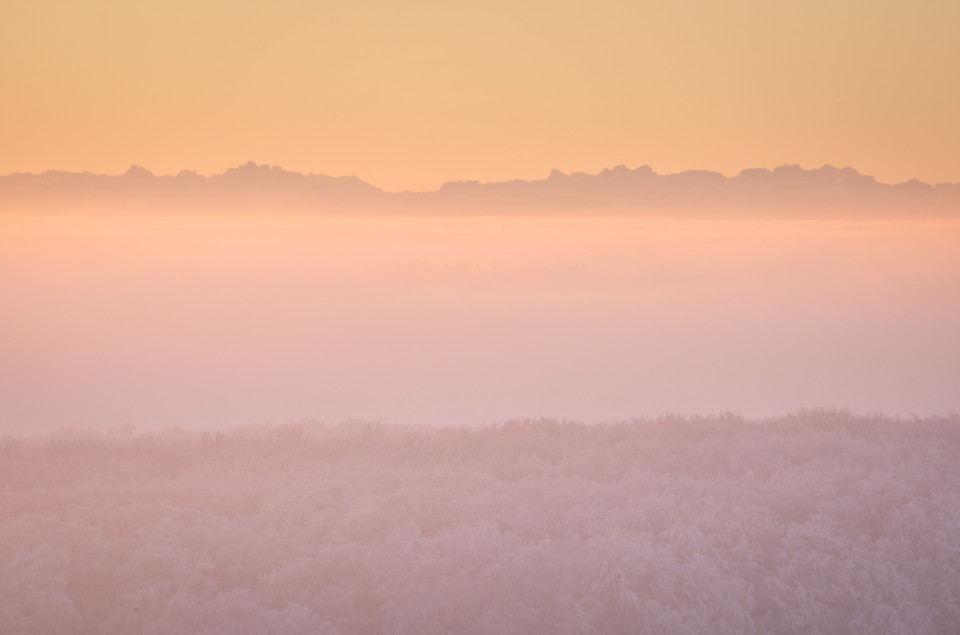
[409, 95]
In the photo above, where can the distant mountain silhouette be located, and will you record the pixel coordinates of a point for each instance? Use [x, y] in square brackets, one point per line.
[621, 190]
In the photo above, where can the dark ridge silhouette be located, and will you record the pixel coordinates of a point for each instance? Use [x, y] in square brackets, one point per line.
[824, 191]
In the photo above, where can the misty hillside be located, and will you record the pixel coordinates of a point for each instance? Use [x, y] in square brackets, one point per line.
[824, 191]
[818, 522]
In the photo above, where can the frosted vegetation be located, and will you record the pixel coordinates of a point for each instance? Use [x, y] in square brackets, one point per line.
[819, 522]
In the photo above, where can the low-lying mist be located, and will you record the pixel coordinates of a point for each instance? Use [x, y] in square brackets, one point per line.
[207, 321]
[818, 522]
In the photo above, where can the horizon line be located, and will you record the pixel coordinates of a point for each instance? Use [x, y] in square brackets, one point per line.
[138, 170]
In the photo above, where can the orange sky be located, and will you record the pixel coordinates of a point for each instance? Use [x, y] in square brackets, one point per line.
[408, 95]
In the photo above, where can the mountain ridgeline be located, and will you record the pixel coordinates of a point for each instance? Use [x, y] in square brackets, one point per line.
[824, 191]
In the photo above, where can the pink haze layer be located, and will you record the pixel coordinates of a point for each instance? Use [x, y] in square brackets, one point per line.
[223, 320]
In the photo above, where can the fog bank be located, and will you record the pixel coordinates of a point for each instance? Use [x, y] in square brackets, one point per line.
[225, 320]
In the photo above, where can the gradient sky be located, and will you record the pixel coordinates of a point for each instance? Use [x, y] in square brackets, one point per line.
[408, 95]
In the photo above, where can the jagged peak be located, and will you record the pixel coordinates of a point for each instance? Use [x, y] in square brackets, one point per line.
[138, 172]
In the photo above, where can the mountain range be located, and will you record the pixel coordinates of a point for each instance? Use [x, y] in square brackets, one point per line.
[619, 190]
